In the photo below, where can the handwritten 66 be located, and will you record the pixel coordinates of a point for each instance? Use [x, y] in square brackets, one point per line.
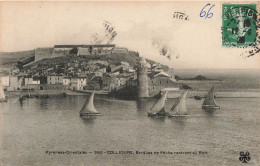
[206, 14]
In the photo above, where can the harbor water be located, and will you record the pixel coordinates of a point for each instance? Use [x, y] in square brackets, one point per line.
[38, 125]
[30, 131]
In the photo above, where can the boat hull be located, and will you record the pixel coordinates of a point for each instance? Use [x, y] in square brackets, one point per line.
[90, 114]
[156, 115]
[210, 107]
[197, 97]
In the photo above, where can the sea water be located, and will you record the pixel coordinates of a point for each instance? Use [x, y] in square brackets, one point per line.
[32, 130]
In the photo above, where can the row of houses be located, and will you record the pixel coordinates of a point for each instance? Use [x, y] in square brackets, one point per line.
[91, 82]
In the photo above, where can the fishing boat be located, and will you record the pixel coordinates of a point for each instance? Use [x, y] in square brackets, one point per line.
[179, 108]
[2, 95]
[197, 97]
[209, 102]
[158, 109]
[88, 109]
[64, 94]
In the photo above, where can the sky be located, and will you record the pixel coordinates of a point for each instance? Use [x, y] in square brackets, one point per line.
[193, 43]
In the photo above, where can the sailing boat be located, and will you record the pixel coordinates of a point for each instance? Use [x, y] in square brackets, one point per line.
[2, 95]
[88, 108]
[209, 102]
[157, 109]
[179, 108]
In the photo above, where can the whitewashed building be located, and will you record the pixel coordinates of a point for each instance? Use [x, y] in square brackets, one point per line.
[78, 83]
[15, 83]
[66, 81]
[31, 81]
[55, 80]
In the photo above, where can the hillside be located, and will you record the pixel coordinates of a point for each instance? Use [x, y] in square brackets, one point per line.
[19, 54]
[19, 59]
[114, 59]
[9, 59]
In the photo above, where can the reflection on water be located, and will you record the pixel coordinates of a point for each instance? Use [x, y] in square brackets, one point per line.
[21, 103]
[144, 104]
[88, 120]
[179, 122]
[209, 112]
[157, 119]
[43, 104]
[54, 124]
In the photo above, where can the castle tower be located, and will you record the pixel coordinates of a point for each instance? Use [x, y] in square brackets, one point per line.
[142, 81]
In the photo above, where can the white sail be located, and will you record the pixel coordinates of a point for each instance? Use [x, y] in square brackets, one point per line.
[88, 107]
[2, 94]
[209, 100]
[159, 105]
[179, 107]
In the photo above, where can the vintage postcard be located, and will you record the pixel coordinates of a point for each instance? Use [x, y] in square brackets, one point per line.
[129, 83]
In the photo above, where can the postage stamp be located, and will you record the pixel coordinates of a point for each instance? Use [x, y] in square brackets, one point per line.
[239, 25]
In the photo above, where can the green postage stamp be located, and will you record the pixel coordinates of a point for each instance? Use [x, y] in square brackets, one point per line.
[239, 25]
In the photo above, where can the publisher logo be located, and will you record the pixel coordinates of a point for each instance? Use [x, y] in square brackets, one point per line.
[244, 157]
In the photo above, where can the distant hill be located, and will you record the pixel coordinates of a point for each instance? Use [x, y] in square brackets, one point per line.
[197, 78]
[200, 77]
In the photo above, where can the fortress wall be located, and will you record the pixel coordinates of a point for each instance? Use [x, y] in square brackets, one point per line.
[120, 50]
[61, 52]
[41, 53]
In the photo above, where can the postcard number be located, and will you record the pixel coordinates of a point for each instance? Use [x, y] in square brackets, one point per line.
[206, 14]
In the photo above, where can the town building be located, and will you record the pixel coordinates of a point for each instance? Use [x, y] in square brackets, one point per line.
[66, 81]
[95, 83]
[158, 81]
[31, 81]
[15, 83]
[14, 71]
[55, 79]
[78, 83]
[131, 82]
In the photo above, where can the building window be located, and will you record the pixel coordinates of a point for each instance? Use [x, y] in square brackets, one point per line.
[160, 82]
